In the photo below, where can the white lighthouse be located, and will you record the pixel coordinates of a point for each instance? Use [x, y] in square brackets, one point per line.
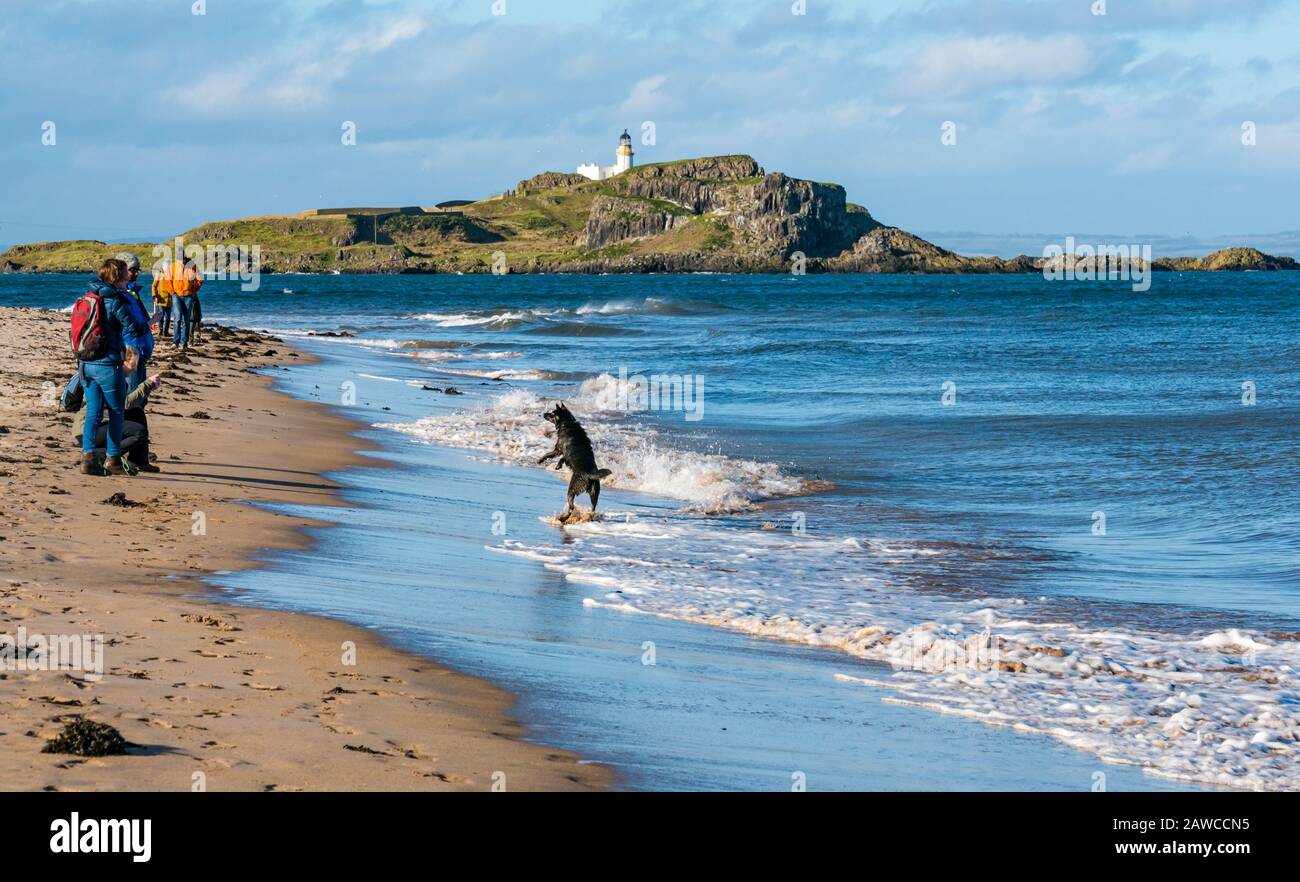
[622, 162]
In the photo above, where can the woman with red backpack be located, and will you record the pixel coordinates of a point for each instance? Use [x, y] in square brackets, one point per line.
[103, 325]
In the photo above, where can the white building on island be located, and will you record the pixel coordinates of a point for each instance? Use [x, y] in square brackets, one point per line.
[622, 163]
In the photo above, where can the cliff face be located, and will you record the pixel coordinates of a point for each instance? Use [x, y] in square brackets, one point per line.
[614, 219]
[713, 214]
[701, 186]
[771, 215]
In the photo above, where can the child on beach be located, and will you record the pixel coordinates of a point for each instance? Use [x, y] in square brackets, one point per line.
[104, 378]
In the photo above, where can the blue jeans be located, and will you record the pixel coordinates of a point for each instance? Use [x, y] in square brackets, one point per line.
[181, 315]
[105, 387]
[165, 321]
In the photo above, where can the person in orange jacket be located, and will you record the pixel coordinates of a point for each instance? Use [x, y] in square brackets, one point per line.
[182, 280]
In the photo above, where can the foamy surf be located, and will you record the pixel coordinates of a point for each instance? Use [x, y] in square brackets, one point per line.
[1221, 708]
[511, 429]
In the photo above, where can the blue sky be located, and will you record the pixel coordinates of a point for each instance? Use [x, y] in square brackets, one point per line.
[1067, 122]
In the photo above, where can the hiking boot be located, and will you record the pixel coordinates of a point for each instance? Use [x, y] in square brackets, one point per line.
[147, 467]
[114, 467]
[90, 464]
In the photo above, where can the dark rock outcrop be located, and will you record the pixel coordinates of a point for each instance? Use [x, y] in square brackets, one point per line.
[771, 215]
[547, 181]
[614, 220]
[1228, 259]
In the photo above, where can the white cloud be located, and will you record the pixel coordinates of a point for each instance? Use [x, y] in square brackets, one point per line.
[964, 65]
[299, 78]
[646, 96]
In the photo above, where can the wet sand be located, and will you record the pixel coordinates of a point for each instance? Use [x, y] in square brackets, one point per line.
[252, 699]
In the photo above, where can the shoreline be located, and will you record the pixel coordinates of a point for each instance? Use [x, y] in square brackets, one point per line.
[253, 698]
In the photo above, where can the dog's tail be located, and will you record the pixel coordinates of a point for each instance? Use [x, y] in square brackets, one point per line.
[600, 473]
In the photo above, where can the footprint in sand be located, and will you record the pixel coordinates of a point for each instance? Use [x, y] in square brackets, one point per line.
[263, 687]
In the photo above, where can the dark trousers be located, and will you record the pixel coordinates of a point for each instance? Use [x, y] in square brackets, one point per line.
[135, 437]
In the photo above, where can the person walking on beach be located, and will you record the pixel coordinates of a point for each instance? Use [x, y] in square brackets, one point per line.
[183, 281]
[162, 302]
[103, 377]
[145, 347]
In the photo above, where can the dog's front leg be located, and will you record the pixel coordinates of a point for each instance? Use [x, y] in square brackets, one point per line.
[555, 452]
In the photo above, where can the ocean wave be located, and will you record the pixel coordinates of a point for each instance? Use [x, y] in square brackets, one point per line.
[581, 329]
[1220, 708]
[500, 374]
[324, 336]
[501, 317]
[651, 306]
[435, 344]
[515, 316]
[511, 428]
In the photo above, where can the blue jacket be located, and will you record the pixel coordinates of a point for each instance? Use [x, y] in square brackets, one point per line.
[145, 344]
[123, 325]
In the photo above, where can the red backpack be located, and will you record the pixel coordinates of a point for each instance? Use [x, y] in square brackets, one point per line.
[89, 339]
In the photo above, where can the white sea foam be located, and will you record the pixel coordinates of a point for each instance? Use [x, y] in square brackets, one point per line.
[510, 427]
[500, 374]
[647, 306]
[1221, 708]
[436, 355]
[319, 337]
[505, 317]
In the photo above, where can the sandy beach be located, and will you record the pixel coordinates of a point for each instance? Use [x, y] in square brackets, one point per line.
[252, 699]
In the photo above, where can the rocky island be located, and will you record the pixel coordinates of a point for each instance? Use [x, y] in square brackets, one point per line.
[713, 214]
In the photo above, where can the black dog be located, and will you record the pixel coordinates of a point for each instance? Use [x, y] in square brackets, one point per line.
[573, 447]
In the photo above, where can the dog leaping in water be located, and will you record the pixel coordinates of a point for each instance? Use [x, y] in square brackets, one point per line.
[573, 447]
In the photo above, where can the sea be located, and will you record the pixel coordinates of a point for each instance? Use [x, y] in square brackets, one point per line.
[861, 532]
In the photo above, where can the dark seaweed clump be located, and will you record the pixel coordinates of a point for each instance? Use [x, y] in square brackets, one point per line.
[88, 738]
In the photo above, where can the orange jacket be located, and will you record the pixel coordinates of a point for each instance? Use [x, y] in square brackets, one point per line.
[181, 279]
